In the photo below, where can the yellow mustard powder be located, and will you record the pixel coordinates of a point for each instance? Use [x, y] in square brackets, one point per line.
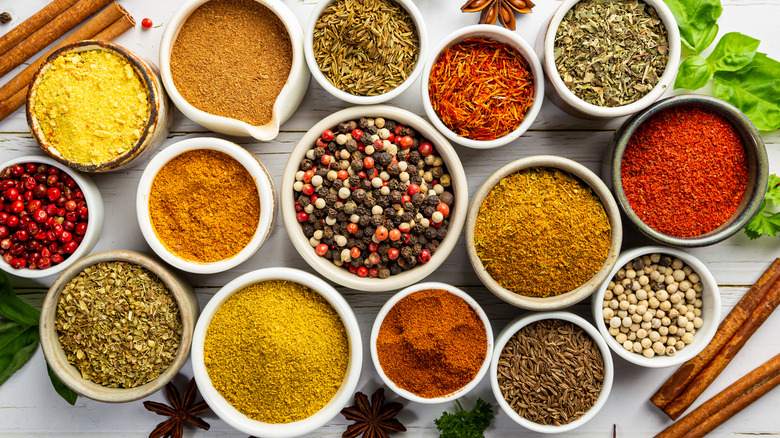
[91, 106]
[277, 351]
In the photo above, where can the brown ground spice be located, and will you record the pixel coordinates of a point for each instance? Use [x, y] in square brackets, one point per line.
[232, 58]
[431, 343]
[204, 206]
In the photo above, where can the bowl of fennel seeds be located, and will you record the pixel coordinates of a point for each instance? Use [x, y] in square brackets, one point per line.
[552, 371]
[609, 58]
[365, 51]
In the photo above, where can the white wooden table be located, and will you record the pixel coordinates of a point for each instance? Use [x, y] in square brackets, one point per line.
[29, 407]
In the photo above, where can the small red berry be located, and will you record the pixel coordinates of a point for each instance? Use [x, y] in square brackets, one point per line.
[393, 253]
[406, 142]
[354, 252]
[53, 194]
[308, 189]
[443, 208]
[328, 135]
[394, 234]
[424, 256]
[352, 228]
[381, 233]
[368, 163]
[147, 23]
[425, 149]
[70, 247]
[356, 134]
[413, 189]
[362, 271]
[302, 216]
[321, 249]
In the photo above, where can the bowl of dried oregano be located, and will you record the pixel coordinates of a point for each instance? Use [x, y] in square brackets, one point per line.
[117, 326]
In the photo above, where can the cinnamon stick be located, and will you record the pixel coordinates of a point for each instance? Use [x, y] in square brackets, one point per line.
[724, 356]
[30, 25]
[107, 25]
[727, 403]
[49, 33]
[741, 313]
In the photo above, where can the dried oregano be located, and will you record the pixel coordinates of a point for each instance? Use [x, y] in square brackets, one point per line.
[118, 324]
[609, 52]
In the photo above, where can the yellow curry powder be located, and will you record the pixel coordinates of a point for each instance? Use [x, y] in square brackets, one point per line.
[204, 206]
[277, 351]
[542, 232]
[91, 106]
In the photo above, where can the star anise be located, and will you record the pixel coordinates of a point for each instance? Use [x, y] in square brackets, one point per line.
[373, 420]
[181, 411]
[498, 9]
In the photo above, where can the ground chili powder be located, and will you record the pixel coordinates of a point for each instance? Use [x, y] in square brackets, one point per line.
[431, 343]
[684, 171]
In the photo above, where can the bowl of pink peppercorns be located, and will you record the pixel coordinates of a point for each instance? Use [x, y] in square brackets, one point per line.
[374, 198]
[50, 216]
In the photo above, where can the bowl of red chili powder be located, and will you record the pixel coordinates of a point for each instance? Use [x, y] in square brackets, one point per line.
[688, 171]
[431, 343]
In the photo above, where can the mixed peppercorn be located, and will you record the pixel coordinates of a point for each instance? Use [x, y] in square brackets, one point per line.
[373, 196]
[44, 216]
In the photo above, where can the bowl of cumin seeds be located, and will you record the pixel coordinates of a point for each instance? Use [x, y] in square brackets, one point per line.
[553, 371]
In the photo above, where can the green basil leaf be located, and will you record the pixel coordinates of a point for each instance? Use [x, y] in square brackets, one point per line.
[694, 73]
[755, 90]
[13, 308]
[11, 362]
[697, 22]
[66, 393]
[13, 336]
[733, 51]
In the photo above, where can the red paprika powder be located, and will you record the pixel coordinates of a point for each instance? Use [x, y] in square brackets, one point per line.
[684, 171]
[431, 343]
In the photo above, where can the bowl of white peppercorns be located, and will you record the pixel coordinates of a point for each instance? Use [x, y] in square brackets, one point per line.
[659, 307]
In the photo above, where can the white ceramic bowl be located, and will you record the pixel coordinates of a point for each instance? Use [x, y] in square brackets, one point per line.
[231, 415]
[286, 102]
[403, 294]
[251, 163]
[94, 224]
[422, 55]
[70, 375]
[569, 102]
[710, 309]
[514, 327]
[497, 34]
[574, 296]
[339, 274]
[160, 116]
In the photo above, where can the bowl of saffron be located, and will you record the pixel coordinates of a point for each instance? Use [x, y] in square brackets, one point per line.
[688, 171]
[480, 106]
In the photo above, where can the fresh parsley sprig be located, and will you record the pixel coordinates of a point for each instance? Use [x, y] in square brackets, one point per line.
[465, 424]
[767, 222]
[19, 337]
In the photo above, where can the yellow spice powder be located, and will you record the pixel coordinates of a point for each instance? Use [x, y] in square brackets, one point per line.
[91, 106]
[277, 351]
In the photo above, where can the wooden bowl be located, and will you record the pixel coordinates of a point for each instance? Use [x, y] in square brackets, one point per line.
[160, 114]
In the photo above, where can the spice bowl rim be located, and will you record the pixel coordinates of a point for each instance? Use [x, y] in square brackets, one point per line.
[703, 335]
[95, 222]
[422, 54]
[583, 174]
[523, 320]
[160, 114]
[230, 414]
[390, 304]
[265, 191]
[288, 99]
[341, 275]
[501, 35]
[181, 291]
[585, 109]
[756, 157]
